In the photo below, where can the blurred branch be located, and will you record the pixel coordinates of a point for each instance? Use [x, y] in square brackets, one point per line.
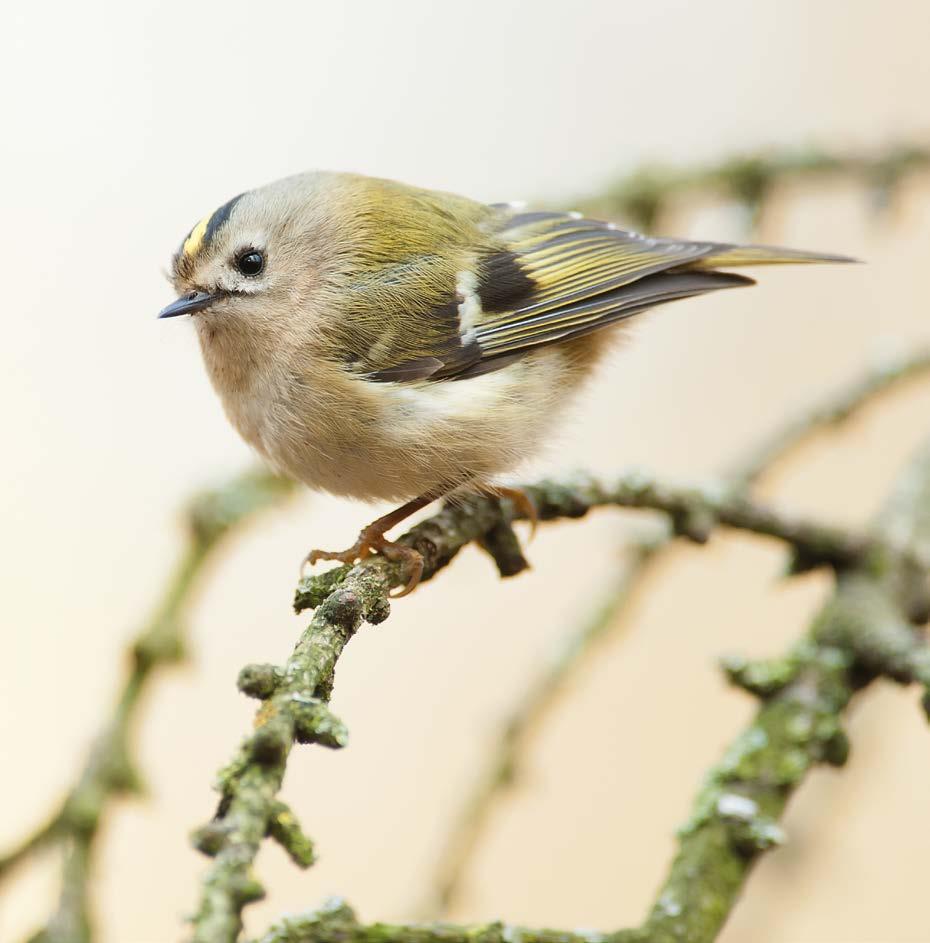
[527, 718]
[642, 196]
[608, 618]
[839, 406]
[109, 772]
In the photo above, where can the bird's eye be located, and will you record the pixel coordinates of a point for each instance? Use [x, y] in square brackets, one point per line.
[250, 263]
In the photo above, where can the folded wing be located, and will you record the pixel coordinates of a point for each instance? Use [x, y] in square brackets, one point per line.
[546, 278]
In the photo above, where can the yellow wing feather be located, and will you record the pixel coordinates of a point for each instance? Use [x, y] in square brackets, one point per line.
[588, 274]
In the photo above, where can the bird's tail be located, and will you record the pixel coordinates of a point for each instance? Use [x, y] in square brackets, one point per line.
[732, 256]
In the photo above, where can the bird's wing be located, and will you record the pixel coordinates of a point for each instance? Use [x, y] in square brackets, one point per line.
[550, 277]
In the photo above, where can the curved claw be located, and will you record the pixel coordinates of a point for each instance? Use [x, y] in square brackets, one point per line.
[372, 540]
[414, 561]
[366, 546]
[355, 552]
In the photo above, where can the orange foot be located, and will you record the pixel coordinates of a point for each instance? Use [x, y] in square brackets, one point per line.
[372, 540]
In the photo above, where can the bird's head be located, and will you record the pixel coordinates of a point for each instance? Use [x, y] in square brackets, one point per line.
[255, 259]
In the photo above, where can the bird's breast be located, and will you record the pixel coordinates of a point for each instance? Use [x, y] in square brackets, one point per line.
[337, 432]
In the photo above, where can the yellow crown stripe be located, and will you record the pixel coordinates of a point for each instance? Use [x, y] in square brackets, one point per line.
[193, 241]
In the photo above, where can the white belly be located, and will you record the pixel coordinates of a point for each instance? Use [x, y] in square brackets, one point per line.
[393, 441]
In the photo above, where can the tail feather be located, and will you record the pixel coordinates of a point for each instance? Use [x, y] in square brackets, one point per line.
[731, 256]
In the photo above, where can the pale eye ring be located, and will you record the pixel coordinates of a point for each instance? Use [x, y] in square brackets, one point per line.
[250, 263]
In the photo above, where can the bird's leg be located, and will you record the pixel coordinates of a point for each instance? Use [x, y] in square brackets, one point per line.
[371, 539]
[521, 501]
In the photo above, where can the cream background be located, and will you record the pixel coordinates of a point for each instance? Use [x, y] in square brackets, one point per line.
[123, 124]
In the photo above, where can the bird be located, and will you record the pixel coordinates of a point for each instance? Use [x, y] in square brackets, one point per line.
[384, 342]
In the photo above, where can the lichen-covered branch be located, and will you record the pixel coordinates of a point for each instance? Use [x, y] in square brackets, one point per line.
[337, 923]
[108, 772]
[293, 710]
[864, 631]
[694, 513]
[294, 698]
[607, 620]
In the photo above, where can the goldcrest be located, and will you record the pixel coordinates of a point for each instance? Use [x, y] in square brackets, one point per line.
[384, 342]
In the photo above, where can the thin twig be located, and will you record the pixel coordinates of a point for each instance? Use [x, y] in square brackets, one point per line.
[108, 772]
[30, 845]
[608, 620]
[887, 374]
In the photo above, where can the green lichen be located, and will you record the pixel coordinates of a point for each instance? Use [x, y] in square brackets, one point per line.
[761, 678]
[284, 828]
[259, 681]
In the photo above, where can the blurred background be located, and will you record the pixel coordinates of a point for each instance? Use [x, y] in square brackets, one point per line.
[125, 123]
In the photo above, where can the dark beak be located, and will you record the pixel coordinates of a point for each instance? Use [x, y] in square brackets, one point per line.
[190, 303]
